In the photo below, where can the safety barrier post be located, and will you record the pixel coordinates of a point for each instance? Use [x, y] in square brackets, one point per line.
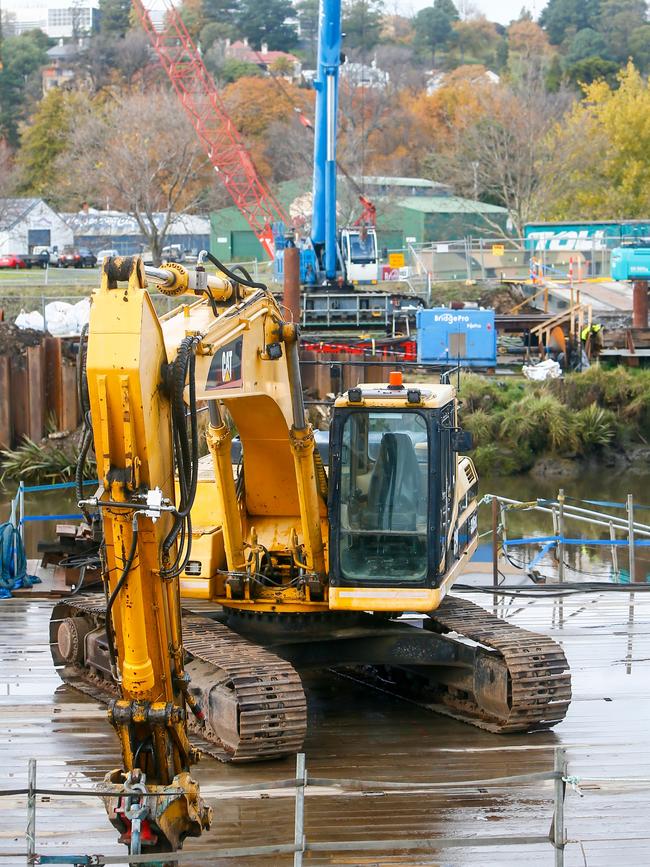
[21, 509]
[299, 824]
[495, 550]
[630, 537]
[559, 839]
[30, 833]
[560, 544]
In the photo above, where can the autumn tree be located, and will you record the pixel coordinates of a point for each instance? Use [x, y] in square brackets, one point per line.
[143, 157]
[503, 154]
[259, 110]
[604, 145]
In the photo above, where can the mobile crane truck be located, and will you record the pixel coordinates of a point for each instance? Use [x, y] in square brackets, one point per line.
[307, 567]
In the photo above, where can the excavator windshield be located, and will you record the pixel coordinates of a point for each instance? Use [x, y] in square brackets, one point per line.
[384, 497]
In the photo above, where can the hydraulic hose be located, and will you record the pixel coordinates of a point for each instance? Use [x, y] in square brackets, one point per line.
[245, 277]
[186, 454]
[128, 563]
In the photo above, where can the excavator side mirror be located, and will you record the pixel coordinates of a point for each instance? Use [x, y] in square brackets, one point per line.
[462, 440]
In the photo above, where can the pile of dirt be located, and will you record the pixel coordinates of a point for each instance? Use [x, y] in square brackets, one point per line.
[503, 298]
[15, 341]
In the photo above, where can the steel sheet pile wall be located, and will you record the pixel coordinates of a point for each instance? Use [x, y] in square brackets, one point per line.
[37, 385]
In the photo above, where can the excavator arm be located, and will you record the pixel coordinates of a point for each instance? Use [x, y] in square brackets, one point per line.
[142, 373]
[137, 426]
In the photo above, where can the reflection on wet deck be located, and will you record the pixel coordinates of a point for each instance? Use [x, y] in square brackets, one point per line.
[357, 733]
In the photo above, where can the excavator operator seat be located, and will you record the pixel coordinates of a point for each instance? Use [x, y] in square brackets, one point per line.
[394, 485]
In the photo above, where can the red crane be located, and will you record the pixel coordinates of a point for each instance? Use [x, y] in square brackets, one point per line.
[220, 138]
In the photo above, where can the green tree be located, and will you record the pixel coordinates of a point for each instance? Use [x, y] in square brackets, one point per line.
[220, 11]
[114, 17]
[586, 43]
[591, 69]
[307, 11]
[639, 45]
[213, 32]
[434, 26]
[619, 19]
[562, 17]
[232, 70]
[47, 136]
[267, 22]
[362, 21]
[22, 58]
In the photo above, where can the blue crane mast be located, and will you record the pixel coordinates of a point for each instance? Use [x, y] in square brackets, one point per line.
[326, 84]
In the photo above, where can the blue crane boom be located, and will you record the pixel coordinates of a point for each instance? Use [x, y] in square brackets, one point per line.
[326, 84]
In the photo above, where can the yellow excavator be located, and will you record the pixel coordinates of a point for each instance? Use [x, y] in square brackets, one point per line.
[304, 560]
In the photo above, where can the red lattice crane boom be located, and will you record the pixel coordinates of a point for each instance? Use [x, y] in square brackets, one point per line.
[218, 135]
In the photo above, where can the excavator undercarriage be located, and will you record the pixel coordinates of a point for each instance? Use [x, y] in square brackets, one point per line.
[244, 669]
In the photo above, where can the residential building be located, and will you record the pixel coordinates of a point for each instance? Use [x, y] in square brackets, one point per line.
[288, 64]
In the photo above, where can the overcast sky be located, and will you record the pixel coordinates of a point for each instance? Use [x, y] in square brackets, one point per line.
[503, 11]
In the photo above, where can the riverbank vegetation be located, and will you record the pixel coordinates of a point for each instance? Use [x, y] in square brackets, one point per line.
[597, 413]
[53, 460]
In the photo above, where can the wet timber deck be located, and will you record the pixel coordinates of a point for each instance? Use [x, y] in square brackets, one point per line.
[358, 733]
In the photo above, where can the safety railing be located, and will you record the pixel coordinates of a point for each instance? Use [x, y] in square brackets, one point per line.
[18, 515]
[301, 846]
[635, 534]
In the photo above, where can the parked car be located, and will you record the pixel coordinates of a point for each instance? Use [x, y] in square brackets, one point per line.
[36, 260]
[106, 254]
[76, 257]
[11, 260]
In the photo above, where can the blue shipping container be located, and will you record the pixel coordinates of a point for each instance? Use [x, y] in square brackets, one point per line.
[448, 337]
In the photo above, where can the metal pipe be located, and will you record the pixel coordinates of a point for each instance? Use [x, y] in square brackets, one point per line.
[299, 818]
[214, 412]
[569, 510]
[640, 529]
[295, 385]
[560, 546]
[31, 811]
[630, 537]
[559, 840]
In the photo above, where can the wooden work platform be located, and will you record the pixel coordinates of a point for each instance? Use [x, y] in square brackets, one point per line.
[358, 733]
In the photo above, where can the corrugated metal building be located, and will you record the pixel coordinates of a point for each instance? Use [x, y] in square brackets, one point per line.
[119, 231]
[409, 211]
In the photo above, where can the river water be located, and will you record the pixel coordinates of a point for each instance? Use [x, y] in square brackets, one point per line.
[607, 484]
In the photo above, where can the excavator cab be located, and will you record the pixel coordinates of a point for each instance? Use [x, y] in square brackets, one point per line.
[394, 507]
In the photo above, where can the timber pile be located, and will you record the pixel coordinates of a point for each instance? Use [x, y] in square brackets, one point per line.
[37, 384]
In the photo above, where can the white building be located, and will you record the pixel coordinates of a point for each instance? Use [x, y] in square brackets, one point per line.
[29, 223]
[60, 19]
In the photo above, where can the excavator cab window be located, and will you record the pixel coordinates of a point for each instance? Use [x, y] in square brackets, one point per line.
[384, 496]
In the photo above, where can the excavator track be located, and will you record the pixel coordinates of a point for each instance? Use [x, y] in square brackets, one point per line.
[539, 691]
[537, 674]
[253, 701]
